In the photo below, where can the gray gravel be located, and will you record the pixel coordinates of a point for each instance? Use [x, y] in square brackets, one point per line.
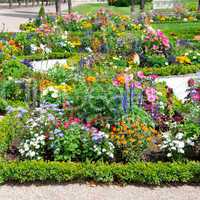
[86, 192]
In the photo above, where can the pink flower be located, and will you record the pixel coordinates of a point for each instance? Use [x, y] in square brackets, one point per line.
[153, 76]
[160, 33]
[155, 47]
[141, 75]
[196, 97]
[165, 41]
[66, 124]
[137, 85]
[151, 94]
[151, 98]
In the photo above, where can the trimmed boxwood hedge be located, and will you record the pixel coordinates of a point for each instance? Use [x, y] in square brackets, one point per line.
[171, 70]
[138, 173]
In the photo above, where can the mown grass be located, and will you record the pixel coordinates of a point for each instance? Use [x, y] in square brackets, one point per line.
[93, 7]
[180, 30]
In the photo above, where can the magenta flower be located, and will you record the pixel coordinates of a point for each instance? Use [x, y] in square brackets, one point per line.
[141, 75]
[153, 76]
[165, 41]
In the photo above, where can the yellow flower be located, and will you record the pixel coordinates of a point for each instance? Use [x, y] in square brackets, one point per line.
[66, 66]
[162, 18]
[183, 60]
[76, 42]
[86, 25]
[190, 18]
[63, 88]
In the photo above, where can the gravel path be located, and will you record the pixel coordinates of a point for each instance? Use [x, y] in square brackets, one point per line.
[86, 192]
[179, 83]
[10, 19]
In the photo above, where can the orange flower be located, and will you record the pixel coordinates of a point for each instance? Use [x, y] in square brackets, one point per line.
[11, 42]
[44, 84]
[120, 79]
[1, 45]
[90, 79]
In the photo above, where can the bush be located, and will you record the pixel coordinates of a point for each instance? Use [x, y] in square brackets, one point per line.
[123, 3]
[3, 105]
[15, 69]
[140, 173]
[176, 69]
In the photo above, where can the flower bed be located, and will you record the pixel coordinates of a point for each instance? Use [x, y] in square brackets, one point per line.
[99, 105]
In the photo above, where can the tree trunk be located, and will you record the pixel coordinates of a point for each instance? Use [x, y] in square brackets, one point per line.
[58, 7]
[10, 3]
[199, 6]
[142, 3]
[69, 6]
[132, 7]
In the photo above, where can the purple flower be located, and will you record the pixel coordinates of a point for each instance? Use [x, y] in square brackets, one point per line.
[124, 102]
[97, 136]
[27, 63]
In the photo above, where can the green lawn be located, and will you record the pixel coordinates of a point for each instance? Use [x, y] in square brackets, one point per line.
[92, 8]
[181, 30]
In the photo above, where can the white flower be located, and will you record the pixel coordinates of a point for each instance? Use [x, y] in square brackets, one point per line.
[103, 150]
[179, 136]
[181, 151]
[169, 155]
[173, 148]
[54, 95]
[26, 147]
[179, 144]
[32, 154]
[190, 142]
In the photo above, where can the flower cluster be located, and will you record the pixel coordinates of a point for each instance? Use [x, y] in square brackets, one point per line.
[175, 144]
[156, 41]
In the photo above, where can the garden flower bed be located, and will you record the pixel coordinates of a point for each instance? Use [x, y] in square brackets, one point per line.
[101, 103]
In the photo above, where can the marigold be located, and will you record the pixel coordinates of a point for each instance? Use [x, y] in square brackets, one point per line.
[90, 79]
[11, 42]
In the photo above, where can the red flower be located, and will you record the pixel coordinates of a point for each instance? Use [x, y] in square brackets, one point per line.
[191, 82]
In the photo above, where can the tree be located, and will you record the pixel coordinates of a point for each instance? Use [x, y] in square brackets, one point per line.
[69, 2]
[142, 3]
[58, 7]
[132, 7]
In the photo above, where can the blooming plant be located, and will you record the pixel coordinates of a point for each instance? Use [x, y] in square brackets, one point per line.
[155, 41]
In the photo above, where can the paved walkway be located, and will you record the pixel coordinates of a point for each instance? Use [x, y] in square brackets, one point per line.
[10, 19]
[86, 192]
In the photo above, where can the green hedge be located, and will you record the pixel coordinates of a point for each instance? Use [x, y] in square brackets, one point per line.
[139, 173]
[54, 55]
[171, 70]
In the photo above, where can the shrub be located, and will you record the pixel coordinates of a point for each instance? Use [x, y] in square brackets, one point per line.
[3, 105]
[15, 69]
[140, 173]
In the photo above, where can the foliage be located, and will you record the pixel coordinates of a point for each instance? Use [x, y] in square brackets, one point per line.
[139, 172]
